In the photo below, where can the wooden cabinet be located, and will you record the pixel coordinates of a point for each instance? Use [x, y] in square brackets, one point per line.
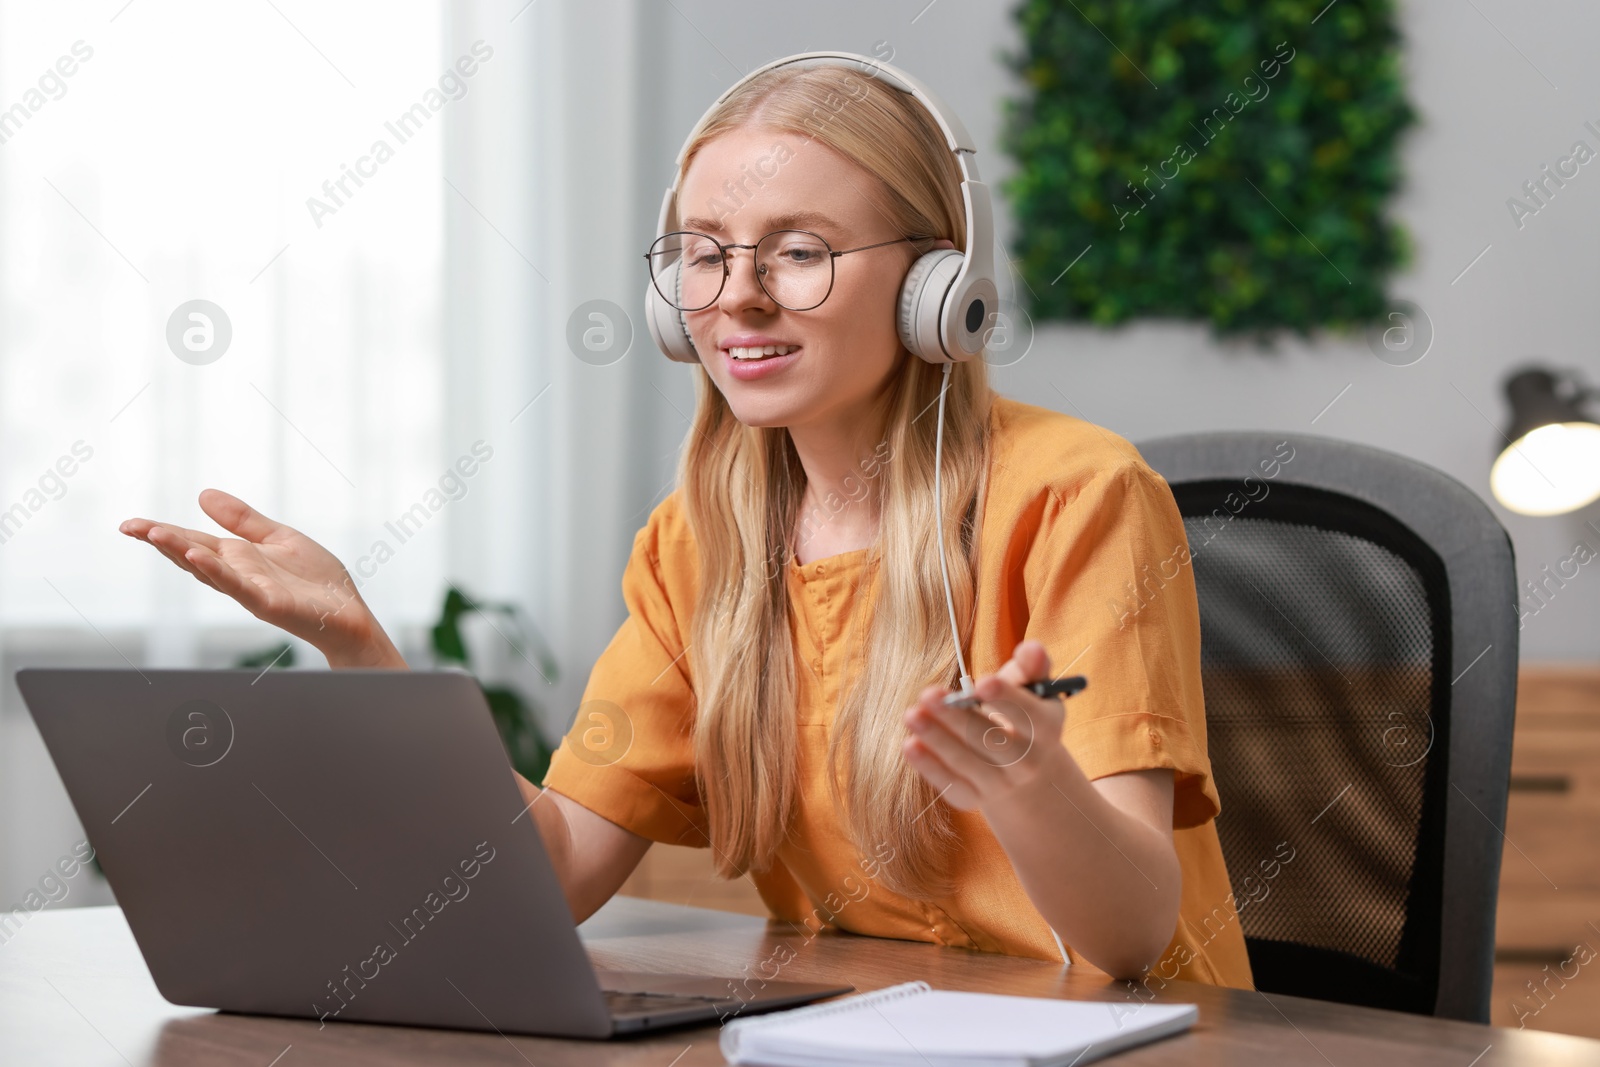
[1547, 935]
[1547, 968]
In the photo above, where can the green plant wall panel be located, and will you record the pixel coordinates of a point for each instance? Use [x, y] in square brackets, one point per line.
[1221, 160]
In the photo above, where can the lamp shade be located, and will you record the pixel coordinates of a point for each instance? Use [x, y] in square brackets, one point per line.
[1552, 464]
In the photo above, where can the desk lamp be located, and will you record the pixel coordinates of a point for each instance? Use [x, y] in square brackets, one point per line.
[1552, 465]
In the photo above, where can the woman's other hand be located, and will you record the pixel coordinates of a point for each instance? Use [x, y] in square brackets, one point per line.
[279, 575]
[1005, 745]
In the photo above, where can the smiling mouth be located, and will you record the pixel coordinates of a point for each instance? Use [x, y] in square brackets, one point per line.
[755, 355]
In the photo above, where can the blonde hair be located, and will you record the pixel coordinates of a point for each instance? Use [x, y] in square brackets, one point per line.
[741, 487]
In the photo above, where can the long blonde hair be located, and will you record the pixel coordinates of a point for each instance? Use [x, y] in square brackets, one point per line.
[741, 487]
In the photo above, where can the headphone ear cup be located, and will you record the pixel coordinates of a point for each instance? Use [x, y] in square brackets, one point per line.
[667, 327]
[922, 298]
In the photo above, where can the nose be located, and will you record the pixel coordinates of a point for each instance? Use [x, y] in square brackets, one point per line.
[742, 289]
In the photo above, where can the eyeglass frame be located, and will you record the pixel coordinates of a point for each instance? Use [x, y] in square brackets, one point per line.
[727, 271]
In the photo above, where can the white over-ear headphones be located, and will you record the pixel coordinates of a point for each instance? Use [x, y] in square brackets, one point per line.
[948, 300]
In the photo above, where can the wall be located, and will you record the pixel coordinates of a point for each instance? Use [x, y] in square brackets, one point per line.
[1489, 119]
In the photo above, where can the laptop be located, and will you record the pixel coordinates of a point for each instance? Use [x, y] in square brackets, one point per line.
[344, 846]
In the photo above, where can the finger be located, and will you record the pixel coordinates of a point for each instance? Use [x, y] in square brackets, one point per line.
[982, 725]
[1000, 731]
[236, 516]
[169, 548]
[952, 788]
[223, 577]
[199, 537]
[181, 538]
[954, 751]
[1029, 716]
[143, 528]
[1028, 662]
[955, 716]
[202, 579]
[179, 559]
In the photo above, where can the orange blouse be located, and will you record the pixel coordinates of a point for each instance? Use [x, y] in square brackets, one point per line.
[1073, 519]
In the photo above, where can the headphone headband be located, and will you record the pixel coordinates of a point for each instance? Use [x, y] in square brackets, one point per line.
[955, 134]
[948, 298]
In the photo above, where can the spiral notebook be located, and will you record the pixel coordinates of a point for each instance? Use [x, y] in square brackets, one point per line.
[918, 1026]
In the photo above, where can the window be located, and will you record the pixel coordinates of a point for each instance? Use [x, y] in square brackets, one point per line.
[157, 154]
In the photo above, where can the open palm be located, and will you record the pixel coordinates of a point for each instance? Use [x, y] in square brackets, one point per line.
[276, 572]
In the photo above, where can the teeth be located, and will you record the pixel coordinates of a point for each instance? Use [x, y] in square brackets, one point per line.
[759, 353]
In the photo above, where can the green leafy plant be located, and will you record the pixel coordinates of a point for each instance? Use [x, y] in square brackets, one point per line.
[1221, 160]
[530, 752]
[279, 655]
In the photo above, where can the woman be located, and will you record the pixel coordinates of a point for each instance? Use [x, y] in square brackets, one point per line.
[779, 677]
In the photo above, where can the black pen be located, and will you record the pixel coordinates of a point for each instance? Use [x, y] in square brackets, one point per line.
[1061, 687]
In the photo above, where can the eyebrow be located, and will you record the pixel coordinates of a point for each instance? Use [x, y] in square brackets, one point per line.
[786, 221]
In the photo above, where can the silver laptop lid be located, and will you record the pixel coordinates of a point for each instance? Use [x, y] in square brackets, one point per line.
[330, 844]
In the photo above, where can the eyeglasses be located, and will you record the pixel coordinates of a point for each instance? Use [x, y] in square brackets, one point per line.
[793, 267]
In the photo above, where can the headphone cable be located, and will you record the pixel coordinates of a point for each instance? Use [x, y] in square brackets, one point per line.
[938, 518]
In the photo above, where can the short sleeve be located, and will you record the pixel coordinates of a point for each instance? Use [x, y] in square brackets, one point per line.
[628, 756]
[1112, 597]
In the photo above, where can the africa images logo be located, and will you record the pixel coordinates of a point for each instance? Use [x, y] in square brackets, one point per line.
[411, 926]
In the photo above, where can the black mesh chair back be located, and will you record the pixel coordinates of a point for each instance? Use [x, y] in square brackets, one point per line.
[1359, 656]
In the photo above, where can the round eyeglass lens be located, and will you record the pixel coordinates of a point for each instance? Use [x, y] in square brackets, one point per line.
[794, 268]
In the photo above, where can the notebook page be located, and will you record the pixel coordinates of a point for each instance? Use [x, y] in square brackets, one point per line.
[944, 1027]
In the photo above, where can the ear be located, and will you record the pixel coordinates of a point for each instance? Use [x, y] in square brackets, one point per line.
[942, 243]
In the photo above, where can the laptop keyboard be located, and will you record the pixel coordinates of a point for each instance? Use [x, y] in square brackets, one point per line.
[621, 1003]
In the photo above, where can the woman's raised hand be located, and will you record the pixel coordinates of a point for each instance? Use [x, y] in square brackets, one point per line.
[279, 575]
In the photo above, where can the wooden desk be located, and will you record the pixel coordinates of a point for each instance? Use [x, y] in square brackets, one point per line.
[74, 990]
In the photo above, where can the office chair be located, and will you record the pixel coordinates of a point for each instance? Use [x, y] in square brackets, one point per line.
[1359, 657]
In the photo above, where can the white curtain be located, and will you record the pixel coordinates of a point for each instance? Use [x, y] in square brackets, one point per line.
[153, 154]
[185, 158]
[555, 185]
[418, 321]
